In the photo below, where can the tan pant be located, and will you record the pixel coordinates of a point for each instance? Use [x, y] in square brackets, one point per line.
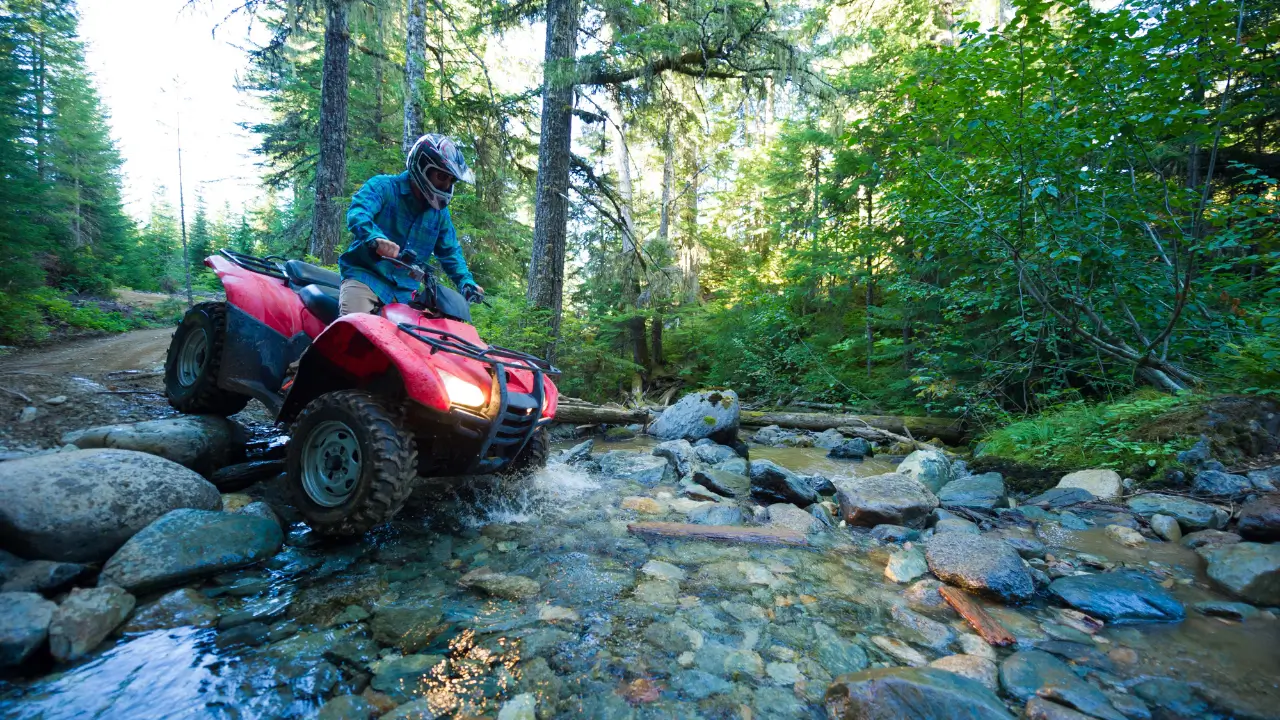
[356, 297]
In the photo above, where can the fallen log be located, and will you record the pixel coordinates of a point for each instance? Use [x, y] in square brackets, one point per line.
[945, 429]
[597, 414]
[987, 627]
[763, 536]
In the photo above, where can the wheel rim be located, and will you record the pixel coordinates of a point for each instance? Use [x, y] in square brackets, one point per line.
[330, 463]
[192, 358]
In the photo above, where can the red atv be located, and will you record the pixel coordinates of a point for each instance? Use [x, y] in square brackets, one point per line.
[376, 401]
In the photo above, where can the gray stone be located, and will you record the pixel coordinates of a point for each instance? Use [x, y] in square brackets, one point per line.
[972, 667]
[200, 442]
[1038, 708]
[906, 565]
[835, 654]
[711, 413]
[409, 627]
[789, 516]
[929, 467]
[262, 510]
[1214, 482]
[647, 470]
[424, 709]
[406, 677]
[1248, 570]
[1102, 484]
[578, 453]
[892, 498]
[699, 684]
[1174, 699]
[1190, 514]
[520, 707]
[81, 506]
[894, 533]
[930, 633]
[1060, 497]
[913, 694]
[772, 483]
[982, 492]
[772, 435]
[959, 525]
[737, 466]
[1121, 596]
[985, 565]
[620, 434]
[828, 439]
[716, 515]
[86, 618]
[713, 454]
[509, 587]
[821, 484]
[1267, 480]
[1166, 527]
[1208, 539]
[678, 453]
[851, 449]
[1032, 673]
[725, 484]
[1028, 547]
[1259, 519]
[1231, 610]
[348, 707]
[187, 544]
[43, 576]
[24, 625]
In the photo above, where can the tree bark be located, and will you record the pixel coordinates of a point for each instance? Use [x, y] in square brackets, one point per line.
[945, 429]
[551, 205]
[690, 250]
[582, 414]
[331, 169]
[632, 266]
[415, 55]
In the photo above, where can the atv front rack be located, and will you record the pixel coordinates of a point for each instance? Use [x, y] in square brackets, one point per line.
[514, 424]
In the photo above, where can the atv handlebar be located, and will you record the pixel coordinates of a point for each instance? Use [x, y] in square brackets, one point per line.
[422, 273]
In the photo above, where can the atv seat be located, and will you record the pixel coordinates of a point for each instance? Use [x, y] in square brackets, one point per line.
[301, 274]
[321, 301]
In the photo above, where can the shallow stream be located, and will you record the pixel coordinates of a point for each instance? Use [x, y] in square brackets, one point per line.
[709, 630]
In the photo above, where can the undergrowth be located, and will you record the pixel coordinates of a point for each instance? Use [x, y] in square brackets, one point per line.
[1079, 435]
[36, 316]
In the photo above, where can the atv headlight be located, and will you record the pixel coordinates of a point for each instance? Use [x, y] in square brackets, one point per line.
[462, 392]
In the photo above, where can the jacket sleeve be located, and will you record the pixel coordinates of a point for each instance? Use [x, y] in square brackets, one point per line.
[365, 204]
[449, 250]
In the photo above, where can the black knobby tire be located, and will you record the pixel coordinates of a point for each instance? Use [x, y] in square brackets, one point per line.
[387, 468]
[195, 390]
[533, 456]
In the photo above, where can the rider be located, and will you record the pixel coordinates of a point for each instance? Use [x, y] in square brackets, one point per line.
[409, 211]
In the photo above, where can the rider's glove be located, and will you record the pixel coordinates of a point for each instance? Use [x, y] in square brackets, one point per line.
[472, 293]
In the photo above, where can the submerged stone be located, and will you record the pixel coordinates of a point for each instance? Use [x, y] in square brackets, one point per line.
[1119, 597]
[911, 693]
[1250, 571]
[985, 565]
[1032, 673]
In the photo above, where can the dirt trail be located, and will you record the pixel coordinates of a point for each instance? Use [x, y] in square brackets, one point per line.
[138, 350]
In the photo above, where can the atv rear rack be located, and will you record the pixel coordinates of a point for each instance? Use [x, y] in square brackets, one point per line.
[262, 266]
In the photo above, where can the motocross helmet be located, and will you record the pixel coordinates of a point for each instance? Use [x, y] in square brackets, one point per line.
[436, 152]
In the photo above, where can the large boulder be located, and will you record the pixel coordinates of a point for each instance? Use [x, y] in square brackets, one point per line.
[1030, 673]
[911, 694]
[1216, 482]
[1190, 514]
[1259, 520]
[81, 506]
[1250, 571]
[892, 499]
[1103, 484]
[85, 619]
[24, 625]
[929, 467]
[726, 484]
[1267, 480]
[188, 544]
[677, 453]
[711, 413]
[851, 449]
[713, 454]
[983, 492]
[647, 470]
[200, 442]
[772, 483]
[1122, 596]
[986, 565]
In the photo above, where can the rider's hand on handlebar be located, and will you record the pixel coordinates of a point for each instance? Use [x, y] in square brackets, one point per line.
[386, 248]
[473, 293]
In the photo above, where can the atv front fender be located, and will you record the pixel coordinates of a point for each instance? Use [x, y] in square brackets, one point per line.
[362, 350]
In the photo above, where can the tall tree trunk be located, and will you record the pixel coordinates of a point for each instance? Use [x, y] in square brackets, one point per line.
[415, 54]
[331, 169]
[871, 339]
[632, 265]
[690, 250]
[551, 204]
[40, 87]
[668, 177]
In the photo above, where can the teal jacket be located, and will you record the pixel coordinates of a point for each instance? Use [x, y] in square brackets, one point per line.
[387, 208]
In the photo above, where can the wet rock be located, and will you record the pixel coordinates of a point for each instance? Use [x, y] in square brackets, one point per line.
[737, 466]
[982, 492]
[187, 544]
[348, 707]
[1229, 610]
[821, 484]
[973, 645]
[81, 506]
[619, 434]
[891, 498]
[406, 677]
[716, 515]
[929, 633]
[972, 667]
[789, 516]
[678, 453]
[1190, 514]
[772, 483]
[556, 614]
[899, 651]
[985, 565]
[743, 663]
[1209, 539]
[643, 505]
[200, 442]
[1259, 520]
[696, 493]
[647, 470]
[408, 627]
[713, 454]
[955, 524]
[578, 453]
[1026, 546]
[1250, 571]
[894, 533]
[85, 619]
[699, 684]
[771, 435]
[912, 694]
[1061, 497]
[663, 571]
[906, 565]
[1166, 527]
[1176, 699]
[723, 483]
[1030, 673]
[929, 467]
[851, 449]
[712, 413]
[510, 587]
[24, 625]
[1215, 482]
[520, 707]
[1267, 480]
[43, 576]
[262, 510]
[656, 592]
[783, 673]
[180, 608]
[423, 709]
[1102, 484]
[828, 439]
[1121, 596]
[1038, 708]
[835, 654]
[1125, 536]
